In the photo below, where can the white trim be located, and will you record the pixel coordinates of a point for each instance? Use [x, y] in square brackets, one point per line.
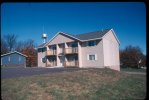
[58, 34]
[96, 57]
[13, 52]
[113, 34]
[87, 56]
[70, 35]
[93, 55]
[91, 39]
[79, 39]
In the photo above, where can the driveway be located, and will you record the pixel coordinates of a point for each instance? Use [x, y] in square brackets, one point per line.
[22, 72]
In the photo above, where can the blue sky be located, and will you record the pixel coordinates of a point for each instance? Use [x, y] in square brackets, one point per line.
[128, 19]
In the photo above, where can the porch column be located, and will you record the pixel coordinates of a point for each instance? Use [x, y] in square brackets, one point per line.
[80, 54]
[57, 53]
[65, 49]
[46, 56]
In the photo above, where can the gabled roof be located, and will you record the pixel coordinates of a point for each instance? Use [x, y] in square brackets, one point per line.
[84, 37]
[92, 35]
[42, 45]
[69, 35]
[12, 53]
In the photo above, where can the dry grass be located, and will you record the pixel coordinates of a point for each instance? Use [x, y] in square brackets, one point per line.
[89, 84]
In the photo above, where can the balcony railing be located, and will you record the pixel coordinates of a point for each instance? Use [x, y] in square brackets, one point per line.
[71, 50]
[50, 64]
[61, 51]
[51, 52]
[71, 63]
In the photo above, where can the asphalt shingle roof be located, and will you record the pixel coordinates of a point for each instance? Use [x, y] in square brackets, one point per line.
[12, 53]
[92, 35]
[40, 46]
[86, 36]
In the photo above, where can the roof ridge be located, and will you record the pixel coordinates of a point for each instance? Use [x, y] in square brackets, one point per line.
[13, 52]
[93, 32]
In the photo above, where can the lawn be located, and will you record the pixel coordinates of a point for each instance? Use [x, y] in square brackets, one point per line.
[133, 70]
[88, 84]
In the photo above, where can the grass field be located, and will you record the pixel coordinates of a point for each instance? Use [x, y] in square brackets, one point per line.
[89, 84]
[133, 70]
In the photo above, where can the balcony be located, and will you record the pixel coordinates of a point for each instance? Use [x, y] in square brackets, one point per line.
[51, 52]
[50, 64]
[73, 50]
[71, 63]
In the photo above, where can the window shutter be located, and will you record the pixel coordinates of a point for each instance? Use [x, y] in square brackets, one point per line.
[95, 56]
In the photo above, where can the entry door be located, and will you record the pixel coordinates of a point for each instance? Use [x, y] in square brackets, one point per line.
[62, 60]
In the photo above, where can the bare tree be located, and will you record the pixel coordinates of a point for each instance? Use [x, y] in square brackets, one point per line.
[11, 40]
[131, 57]
[4, 48]
[20, 46]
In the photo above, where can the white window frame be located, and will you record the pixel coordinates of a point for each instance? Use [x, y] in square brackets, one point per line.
[88, 57]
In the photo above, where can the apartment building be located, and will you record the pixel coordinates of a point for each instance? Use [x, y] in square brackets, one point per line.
[89, 50]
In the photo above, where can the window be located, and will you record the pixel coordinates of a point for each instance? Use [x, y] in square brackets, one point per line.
[43, 60]
[19, 58]
[91, 43]
[42, 49]
[74, 44]
[92, 57]
[8, 58]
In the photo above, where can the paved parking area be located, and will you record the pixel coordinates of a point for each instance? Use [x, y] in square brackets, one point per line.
[22, 72]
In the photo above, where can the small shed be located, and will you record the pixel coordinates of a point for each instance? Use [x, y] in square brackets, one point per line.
[13, 59]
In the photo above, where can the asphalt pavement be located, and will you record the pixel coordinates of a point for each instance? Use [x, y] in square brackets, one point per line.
[23, 72]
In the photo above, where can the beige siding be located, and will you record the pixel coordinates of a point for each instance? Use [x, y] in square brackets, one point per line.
[80, 55]
[111, 51]
[98, 49]
[60, 39]
[106, 50]
[40, 56]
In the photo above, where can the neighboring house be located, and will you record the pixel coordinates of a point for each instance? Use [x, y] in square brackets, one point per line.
[13, 59]
[94, 50]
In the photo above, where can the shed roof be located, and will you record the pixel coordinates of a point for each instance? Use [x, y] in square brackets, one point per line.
[12, 53]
